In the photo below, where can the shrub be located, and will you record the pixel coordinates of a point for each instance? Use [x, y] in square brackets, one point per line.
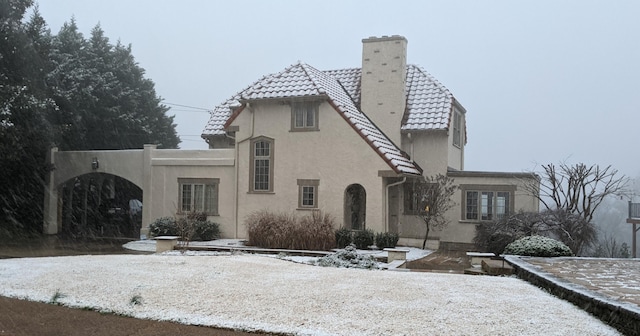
[206, 230]
[496, 235]
[164, 226]
[538, 246]
[363, 239]
[280, 230]
[194, 227]
[348, 258]
[343, 237]
[386, 239]
[314, 232]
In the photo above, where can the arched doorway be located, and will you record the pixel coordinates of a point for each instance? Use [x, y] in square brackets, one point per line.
[100, 205]
[355, 207]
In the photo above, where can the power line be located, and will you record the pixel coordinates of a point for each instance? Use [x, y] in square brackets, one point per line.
[187, 106]
[188, 111]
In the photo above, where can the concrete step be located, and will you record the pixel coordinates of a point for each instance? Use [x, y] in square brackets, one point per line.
[497, 267]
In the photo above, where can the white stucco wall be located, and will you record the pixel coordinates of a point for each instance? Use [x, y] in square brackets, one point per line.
[461, 230]
[167, 166]
[336, 155]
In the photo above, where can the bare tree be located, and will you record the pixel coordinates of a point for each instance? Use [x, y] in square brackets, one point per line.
[570, 228]
[434, 196]
[578, 189]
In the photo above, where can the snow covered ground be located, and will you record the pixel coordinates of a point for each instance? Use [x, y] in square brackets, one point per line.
[252, 292]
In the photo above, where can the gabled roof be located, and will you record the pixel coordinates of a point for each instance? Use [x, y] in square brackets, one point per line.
[302, 80]
[429, 102]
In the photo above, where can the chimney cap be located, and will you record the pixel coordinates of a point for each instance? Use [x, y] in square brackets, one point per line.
[384, 38]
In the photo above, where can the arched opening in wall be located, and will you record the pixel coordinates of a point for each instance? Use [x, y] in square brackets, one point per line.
[355, 207]
[100, 205]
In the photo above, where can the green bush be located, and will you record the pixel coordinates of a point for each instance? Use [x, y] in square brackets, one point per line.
[538, 246]
[343, 237]
[206, 230]
[386, 240]
[494, 236]
[194, 227]
[287, 231]
[363, 239]
[164, 226]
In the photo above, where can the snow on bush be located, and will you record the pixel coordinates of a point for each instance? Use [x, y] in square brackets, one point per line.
[348, 258]
[538, 246]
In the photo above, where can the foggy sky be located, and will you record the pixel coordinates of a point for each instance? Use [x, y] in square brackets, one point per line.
[542, 81]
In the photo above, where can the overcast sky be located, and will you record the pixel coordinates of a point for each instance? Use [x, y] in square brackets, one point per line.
[542, 81]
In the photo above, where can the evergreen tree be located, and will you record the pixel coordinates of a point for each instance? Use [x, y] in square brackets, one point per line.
[24, 131]
[67, 91]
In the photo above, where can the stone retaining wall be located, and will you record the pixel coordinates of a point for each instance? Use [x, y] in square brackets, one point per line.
[622, 316]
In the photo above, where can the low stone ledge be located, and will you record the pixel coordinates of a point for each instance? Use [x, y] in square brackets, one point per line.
[165, 243]
[625, 317]
[396, 254]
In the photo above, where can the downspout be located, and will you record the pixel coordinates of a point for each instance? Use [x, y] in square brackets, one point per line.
[411, 144]
[236, 199]
[386, 202]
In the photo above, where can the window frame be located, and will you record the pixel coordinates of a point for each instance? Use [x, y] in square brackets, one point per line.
[192, 183]
[306, 106]
[457, 128]
[252, 165]
[491, 205]
[411, 205]
[307, 183]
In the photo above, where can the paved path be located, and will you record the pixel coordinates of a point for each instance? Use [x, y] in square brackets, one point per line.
[617, 279]
[607, 288]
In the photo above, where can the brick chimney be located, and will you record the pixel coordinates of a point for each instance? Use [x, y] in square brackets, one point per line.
[384, 72]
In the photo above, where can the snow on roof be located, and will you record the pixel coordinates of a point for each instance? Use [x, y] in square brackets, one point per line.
[429, 103]
[303, 80]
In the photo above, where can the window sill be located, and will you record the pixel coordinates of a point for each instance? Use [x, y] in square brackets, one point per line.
[307, 209]
[187, 213]
[261, 192]
[304, 130]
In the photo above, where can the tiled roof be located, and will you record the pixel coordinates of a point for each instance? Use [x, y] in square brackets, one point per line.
[302, 80]
[428, 101]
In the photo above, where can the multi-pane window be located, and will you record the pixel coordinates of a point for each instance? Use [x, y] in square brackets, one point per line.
[304, 116]
[199, 195]
[486, 205]
[308, 193]
[457, 133]
[412, 198]
[262, 165]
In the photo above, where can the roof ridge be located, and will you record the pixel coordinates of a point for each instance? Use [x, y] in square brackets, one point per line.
[313, 78]
[438, 84]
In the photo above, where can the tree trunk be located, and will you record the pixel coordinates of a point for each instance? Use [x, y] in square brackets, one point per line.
[426, 235]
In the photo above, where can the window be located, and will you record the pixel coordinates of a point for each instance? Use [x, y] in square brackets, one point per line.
[416, 195]
[457, 134]
[261, 165]
[411, 199]
[199, 195]
[487, 204]
[308, 194]
[304, 116]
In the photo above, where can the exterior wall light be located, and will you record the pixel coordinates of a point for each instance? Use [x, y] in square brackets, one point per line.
[95, 164]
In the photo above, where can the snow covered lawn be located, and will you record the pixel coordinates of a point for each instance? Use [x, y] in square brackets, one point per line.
[258, 293]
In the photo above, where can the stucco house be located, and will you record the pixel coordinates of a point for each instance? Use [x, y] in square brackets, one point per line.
[350, 142]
